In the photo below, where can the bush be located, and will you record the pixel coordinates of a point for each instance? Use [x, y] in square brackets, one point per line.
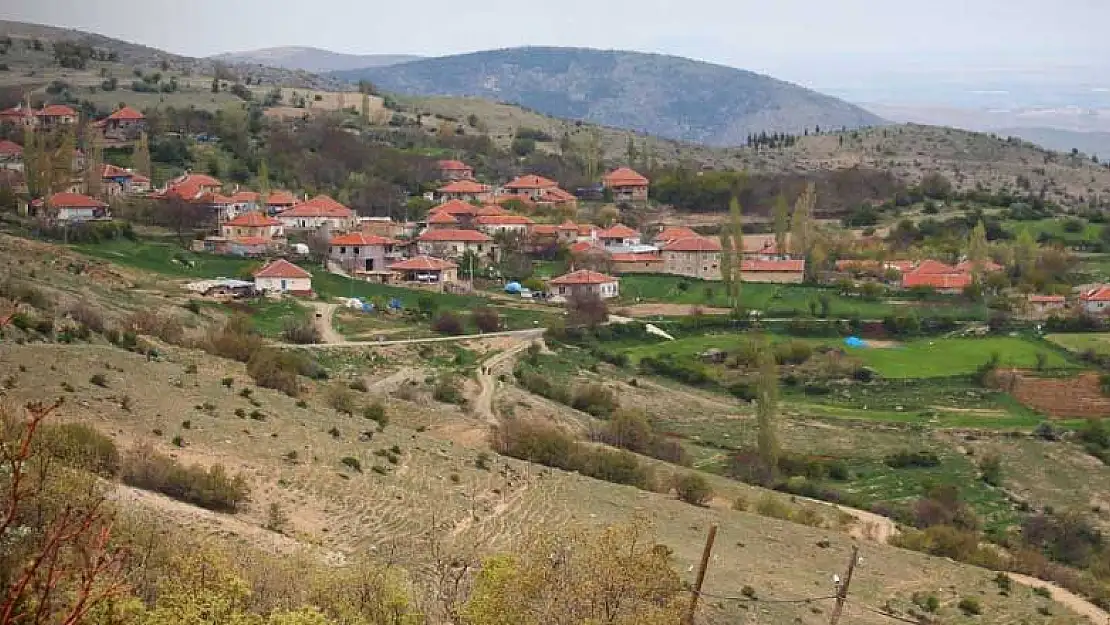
[210, 488]
[448, 390]
[482, 461]
[352, 463]
[375, 411]
[551, 447]
[80, 446]
[970, 606]
[448, 323]
[912, 460]
[278, 369]
[694, 489]
[594, 399]
[486, 319]
[301, 331]
[98, 379]
[991, 469]
[235, 340]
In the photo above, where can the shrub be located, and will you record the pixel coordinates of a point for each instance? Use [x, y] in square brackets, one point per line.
[448, 323]
[87, 315]
[98, 379]
[1046, 431]
[774, 507]
[970, 606]
[300, 330]
[80, 446]
[352, 463]
[277, 369]
[448, 390]
[210, 488]
[594, 399]
[482, 461]
[375, 411]
[929, 603]
[359, 384]
[1005, 584]
[486, 319]
[341, 399]
[912, 460]
[235, 340]
[694, 489]
[990, 469]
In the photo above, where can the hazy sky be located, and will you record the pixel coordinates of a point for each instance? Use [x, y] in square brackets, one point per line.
[815, 42]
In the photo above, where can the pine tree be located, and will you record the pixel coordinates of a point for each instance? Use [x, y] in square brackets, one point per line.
[140, 158]
[781, 216]
[767, 406]
[94, 162]
[736, 224]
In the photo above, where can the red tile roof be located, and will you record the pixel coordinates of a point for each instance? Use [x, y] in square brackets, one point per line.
[783, 266]
[281, 268]
[624, 177]
[253, 219]
[545, 230]
[635, 257]
[988, 266]
[360, 239]
[112, 171]
[17, 111]
[214, 199]
[557, 195]
[531, 182]
[1101, 294]
[693, 244]
[10, 148]
[491, 210]
[423, 263]
[619, 231]
[568, 225]
[281, 198]
[582, 247]
[675, 232]
[126, 114]
[583, 276]
[1047, 299]
[504, 220]
[319, 206]
[917, 279]
[244, 197]
[585, 230]
[452, 234]
[450, 165]
[465, 186]
[931, 266]
[454, 207]
[73, 200]
[442, 218]
[203, 180]
[56, 110]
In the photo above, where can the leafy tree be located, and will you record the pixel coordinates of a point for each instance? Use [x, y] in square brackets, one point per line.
[767, 405]
[94, 162]
[727, 263]
[801, 223]
[934, 185]
[586, 308]
[781, 218]
[140, 159]
[977, 250]
[736, 224]
[694, 489]
[1025, 252]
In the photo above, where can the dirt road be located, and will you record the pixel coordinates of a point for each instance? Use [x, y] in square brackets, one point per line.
[324, 313]
[532, 333]
[488, 372]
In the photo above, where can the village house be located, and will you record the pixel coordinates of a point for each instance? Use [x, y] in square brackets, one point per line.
[363, 253]
[384, 227]
[466, 191]
[19, 116]
[938, 276]
[252, 225]
[504, 224]
[190, 187]
[11, 155]
[441, 221]
[319, 212]
[637, 262]
[617, 237]
[694, 257]
[75, 207]
[762, 247]
[426, 270]
[55, 115]
[462, 212]
[217, 204]
[537, 190]
[779, 271]
[626, 185]
[453, 243]
[1041, 306]
[282, 276]
[584, 281]
[119, 181]
[673, 233]
[1095, 301]
[244, 201]
[279, 201]
[125, 124]
[455, 170]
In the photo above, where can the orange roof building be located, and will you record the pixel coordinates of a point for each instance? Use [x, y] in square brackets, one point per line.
[426, 269]
[454, 170]
[626, 185]
[619, 235]
[585, 281]
[695, 257]
[282, 276]
[280, 200]
[71, 207]
[493, 224]
[673, 233]
[455, 208]
[126, 113]
[319, 212]
[465, 190]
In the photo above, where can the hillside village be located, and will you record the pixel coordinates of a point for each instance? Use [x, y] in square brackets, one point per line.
[374, 364]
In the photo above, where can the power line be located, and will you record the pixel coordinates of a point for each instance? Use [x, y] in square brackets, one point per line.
[893, 617]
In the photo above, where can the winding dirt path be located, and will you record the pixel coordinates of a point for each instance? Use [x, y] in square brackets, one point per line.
[488, 372]
[324, 313]
[1068, 599]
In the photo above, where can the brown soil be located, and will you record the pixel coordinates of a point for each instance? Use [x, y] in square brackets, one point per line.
[668, 310]
[1079, 396]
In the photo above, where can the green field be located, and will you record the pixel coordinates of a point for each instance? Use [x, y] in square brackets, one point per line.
[172, 260]
[1098, 342]
[1055, 229]
[788, 300]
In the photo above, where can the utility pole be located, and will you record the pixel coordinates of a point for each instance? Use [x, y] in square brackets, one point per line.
[842, 589]
[701, 574]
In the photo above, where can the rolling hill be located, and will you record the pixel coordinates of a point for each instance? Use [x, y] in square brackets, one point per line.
[312, 59]
[662, 95]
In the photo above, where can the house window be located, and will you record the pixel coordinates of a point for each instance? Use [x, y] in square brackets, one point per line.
[342, 250]
[355, 250]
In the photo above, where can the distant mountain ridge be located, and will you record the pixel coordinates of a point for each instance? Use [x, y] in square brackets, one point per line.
[668, 96]
[312, 59]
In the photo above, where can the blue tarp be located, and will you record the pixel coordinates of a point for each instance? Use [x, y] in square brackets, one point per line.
[513, 287]
[855, 341]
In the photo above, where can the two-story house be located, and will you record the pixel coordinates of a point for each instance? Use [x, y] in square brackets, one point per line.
[503, 224]
[453, 243]
[11, 155]
[319, 212]
[626, 185]
[360, 252]
[466, 191]
[618, 236]
[54, 116]
[695, 257]
[453, 170]
[125, 124]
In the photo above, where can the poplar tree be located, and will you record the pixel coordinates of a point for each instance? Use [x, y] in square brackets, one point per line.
[94, 162]
[736, 223]
[767, 405]
[263, 183]
[977, 249]
[801, 227]
[140, 157]
[726, 263]
[781, 216]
